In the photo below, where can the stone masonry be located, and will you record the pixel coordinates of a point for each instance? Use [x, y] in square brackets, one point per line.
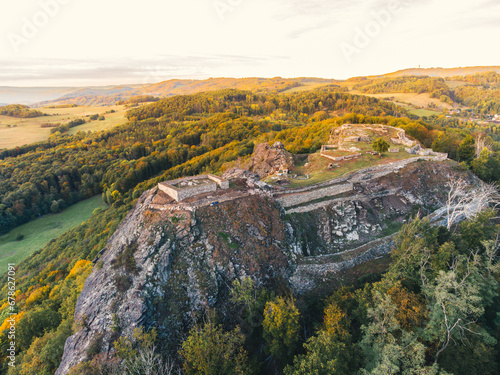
[184, 188]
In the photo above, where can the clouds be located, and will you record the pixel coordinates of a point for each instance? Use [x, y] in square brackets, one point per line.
[482, 15]
[125, 41]
[72, 72]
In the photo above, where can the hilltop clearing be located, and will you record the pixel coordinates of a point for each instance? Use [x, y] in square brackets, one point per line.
[349, 148]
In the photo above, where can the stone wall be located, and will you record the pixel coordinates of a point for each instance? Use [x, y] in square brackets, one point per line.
[196, 190]
[179, 194]
[305, 197]
[320, 269]
[317, 206]
[340, 158]
[402, 139]
[344, 184]
[169, 190]
[223, 184]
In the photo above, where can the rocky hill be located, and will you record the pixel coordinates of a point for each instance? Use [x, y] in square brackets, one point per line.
[169, 260]
[268, 160]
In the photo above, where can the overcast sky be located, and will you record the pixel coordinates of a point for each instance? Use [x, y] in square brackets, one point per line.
[100, 42]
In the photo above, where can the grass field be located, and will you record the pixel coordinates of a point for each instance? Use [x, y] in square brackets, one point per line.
[307, 86]
[318, 171]
[455, 84]
[414, 100]
[39, 232]
[17, 131]
[424, 112]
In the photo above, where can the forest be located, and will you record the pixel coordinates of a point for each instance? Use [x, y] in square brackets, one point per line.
[479, 92]
[433, 311]
[19, 110]
[67, 169]
[436, 87]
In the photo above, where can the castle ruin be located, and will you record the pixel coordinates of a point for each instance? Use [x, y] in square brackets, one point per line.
[187, 187]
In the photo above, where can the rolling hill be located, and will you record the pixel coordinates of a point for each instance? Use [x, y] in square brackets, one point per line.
[443, 72]
[108, 95]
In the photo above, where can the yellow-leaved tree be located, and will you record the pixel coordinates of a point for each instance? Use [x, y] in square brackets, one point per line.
[281, 328]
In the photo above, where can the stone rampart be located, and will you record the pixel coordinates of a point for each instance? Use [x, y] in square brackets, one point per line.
[196, 185]
[305, 197]
[340, 158]
[306, 275]
[223, 184]
[345, 183]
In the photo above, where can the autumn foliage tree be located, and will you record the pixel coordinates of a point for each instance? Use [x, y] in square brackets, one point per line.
[281, 328]
[209, 350]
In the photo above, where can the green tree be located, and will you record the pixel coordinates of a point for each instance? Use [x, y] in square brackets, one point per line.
[457, 299]
[387, 348]
[139, 356]
[281, 328]
[211, 351]
[487, 166]
[325, 356]
[467, 149]
[34, 324]
[252, 300]
[380, 145]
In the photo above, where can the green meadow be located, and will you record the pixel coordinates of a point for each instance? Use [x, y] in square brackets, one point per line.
[39, 232]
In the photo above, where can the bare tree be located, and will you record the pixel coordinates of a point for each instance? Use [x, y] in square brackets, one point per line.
[482, 142]
[148, 362]
[465, 200]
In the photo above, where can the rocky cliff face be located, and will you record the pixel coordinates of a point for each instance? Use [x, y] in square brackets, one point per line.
[268, 160]
[162, 266]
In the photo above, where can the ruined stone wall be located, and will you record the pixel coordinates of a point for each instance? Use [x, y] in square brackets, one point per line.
[345, 184]
[305, 197]
[170, 191]
[223, 184]
[340, 158]
[191, 191]
[179, 194]
[307, 275]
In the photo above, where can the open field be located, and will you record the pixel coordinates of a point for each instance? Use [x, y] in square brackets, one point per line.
[424, 112]
[411, 99]
[454, 84]
[39, 232]
[307, 86]
[28, 130]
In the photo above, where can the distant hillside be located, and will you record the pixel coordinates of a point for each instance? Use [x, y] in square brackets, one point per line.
[30, 95]
[443, 72]
[186, 87]
[102, 91]
[107, 96]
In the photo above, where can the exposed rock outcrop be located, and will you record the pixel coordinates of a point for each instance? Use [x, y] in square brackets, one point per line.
[162, 267]
[268, 160]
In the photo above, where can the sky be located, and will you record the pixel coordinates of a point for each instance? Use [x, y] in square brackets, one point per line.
[107, 42]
